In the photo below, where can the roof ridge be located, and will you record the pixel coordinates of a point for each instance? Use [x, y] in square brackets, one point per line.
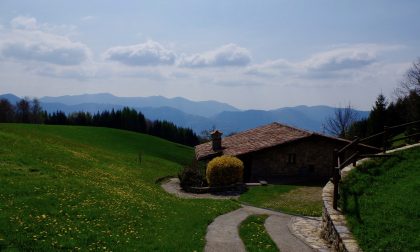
[268, 125]
[293, 127]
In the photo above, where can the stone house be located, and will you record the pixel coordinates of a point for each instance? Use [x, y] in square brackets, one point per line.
[277, 151]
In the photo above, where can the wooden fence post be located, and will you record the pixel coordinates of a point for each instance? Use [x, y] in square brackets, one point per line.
[356, 139]
[336, 178]
[385, 138]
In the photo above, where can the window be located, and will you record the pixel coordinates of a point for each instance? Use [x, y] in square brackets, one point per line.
[292, 158]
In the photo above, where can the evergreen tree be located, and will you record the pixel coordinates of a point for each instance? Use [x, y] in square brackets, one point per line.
[57, 118]
[377, 117]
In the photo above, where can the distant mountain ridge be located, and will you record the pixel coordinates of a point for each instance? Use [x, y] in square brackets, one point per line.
[202, 108]
[233, 120]
[10, 97]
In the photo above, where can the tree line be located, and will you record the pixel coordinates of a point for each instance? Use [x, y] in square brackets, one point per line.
[405, 107]
[30, 111]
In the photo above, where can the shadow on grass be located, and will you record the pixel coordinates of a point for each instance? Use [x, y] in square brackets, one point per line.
[298, 181]
[360, 183]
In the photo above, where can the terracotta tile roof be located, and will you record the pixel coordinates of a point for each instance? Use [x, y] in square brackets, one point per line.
[253, 140]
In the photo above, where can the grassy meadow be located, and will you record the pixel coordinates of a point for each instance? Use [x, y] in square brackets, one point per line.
[293, 199]
[381, 200]
[82, 188]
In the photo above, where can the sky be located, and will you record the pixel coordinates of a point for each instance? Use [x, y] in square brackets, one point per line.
[250, 54]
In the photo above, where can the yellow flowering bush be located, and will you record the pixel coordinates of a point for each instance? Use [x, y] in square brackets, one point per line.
[224, 170]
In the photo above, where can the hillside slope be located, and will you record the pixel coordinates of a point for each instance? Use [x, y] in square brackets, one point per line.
[381, 202]
[83, 188]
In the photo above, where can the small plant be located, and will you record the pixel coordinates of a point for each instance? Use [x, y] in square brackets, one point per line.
[192, 175]
[224, 170]
[254, 234]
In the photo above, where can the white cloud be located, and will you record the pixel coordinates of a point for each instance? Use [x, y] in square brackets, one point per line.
[87, 18]
[227, 55]
[43, 47]
[334, 63]
[150, 53]
[25, 41]
[23, 22]
[80, 72]
[350, 57]
[273, 68]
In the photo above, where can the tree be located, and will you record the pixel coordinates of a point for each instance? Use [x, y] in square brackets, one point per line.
[205, 135]
[7, 111]
[377, 117]
[37, 115]
[23, 111]
[409, 91]
[339, 124]
[142, 123]
[411, 81]
[57, 118]
[80, 118]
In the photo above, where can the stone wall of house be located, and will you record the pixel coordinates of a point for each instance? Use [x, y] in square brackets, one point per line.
[313, 158]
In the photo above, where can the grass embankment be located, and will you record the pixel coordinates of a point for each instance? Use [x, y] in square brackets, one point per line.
[254, 235]
[82, 188]
[381, 200]
[294, 199]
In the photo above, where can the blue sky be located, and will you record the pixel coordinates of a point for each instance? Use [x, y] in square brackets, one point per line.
[251, 54]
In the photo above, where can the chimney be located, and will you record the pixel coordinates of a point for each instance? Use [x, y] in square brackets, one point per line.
[216, 140]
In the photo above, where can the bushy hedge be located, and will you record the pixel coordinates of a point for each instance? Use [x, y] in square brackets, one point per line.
[192, 175]
[224, 170]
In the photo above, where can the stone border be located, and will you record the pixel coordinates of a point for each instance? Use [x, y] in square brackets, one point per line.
[334, 225]
[172, 186]
[231, 189]
[334, 228]
[309, 231]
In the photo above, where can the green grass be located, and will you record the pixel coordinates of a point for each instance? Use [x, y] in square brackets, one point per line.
[294, 199]
[381, 200]
[82, 188]
[254, 235]
[398, 143]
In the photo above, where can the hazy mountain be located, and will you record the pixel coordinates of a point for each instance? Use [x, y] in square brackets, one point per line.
[197, 123]
[305, 117]
[10, 97]
[201, 108]
[85, 107]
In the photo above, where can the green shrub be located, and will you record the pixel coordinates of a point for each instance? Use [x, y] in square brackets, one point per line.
[224, 170]
[192, 175]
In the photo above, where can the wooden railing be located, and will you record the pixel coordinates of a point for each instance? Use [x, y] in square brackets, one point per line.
[340, 161]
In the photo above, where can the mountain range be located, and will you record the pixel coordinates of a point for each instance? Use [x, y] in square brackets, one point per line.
[197, 115]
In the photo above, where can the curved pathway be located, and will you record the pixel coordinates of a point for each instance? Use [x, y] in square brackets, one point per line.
[289, 233]
[222, 233]
[172, 186]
